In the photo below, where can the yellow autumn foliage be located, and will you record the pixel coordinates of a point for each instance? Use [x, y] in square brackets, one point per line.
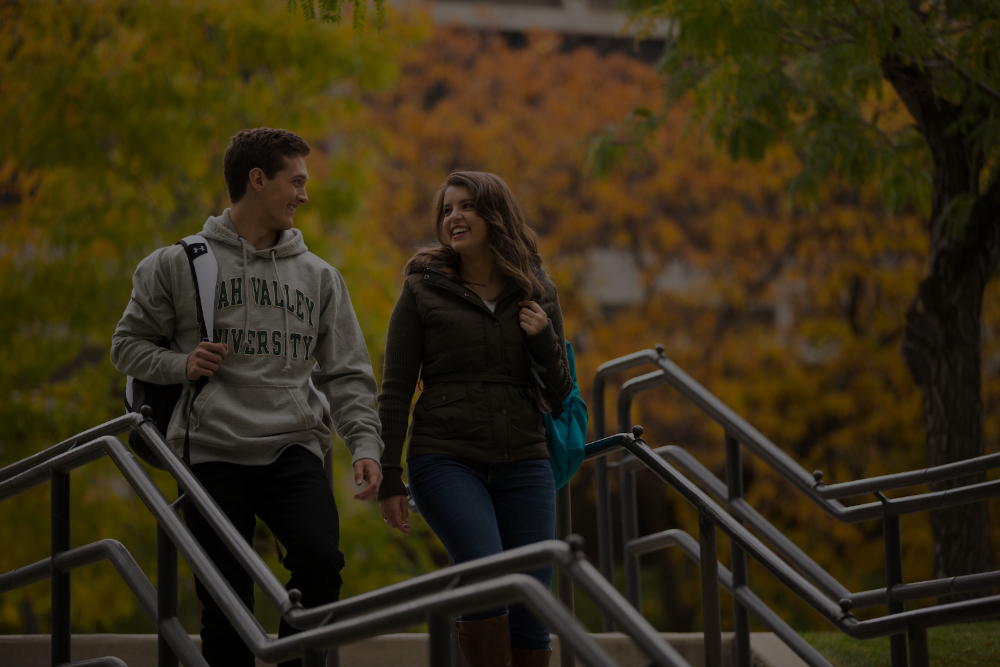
[792, 316]
[118, 113]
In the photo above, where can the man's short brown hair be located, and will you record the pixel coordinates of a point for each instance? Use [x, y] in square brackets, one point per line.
[261, 147]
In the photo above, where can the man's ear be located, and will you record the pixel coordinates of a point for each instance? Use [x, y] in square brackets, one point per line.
[257, 179]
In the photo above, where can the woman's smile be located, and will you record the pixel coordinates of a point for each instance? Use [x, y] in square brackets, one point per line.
[465, 229]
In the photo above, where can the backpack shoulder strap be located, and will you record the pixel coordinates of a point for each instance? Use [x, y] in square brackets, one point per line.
[205, 272]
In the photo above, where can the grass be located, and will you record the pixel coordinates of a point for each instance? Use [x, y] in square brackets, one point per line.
[971, 645]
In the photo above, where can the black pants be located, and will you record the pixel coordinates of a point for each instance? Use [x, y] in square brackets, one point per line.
[293, 497]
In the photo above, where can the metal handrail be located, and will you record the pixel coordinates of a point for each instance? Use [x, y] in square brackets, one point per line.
[133, 576]
[395, 607]
[489, 580]
[821, 494]
[732, 528]
[737, 431]
[869, 511]
[902, 480]
[742, 510]
[605, 558]
[117, 426]
[969, 583]
[689, 546]
[843, 620]
[799, 559]
[713, 515]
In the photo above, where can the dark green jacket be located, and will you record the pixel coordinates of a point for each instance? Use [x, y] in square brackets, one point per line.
[478, 400]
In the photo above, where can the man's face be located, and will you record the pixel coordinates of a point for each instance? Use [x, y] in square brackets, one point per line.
[284, 193]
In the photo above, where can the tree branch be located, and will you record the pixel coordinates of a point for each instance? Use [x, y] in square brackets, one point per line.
[945, 63]
[818, 44]
[851, 113]
[983, 87]
[873, 125]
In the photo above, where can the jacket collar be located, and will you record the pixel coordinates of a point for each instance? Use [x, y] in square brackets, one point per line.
[432, 275]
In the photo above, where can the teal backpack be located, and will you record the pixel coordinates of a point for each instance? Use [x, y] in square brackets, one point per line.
[567, 433]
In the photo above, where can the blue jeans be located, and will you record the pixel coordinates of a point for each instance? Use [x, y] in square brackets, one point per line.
[481, 509]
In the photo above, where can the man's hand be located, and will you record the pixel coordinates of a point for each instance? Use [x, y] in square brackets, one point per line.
[533, 318]
[396, 513]
[205, 360]
[370, 471]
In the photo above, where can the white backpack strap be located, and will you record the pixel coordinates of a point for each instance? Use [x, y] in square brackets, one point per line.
[129, 398]
[205, 270]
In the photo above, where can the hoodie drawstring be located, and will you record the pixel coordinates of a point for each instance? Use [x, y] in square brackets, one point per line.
[288, 359]
[246, 286]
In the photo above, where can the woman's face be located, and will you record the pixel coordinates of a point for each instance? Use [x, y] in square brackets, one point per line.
[463, 228]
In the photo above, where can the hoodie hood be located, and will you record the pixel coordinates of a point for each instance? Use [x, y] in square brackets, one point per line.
[220, 228]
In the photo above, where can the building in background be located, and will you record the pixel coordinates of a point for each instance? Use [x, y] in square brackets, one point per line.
[595, 23]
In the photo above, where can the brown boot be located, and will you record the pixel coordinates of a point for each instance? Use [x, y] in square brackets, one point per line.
[527, 658]
[485, 643]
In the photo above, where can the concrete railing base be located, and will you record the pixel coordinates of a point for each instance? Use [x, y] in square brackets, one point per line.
[398, 650]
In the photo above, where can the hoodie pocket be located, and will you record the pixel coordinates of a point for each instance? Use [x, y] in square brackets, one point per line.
[253, 411]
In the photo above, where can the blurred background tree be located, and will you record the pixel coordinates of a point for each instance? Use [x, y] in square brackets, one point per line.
[903, 98]
[792, 314]
[117, 115]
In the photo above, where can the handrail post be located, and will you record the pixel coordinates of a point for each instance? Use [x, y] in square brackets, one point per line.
[166, 593]
[605, 552]
[439, 629]
[737, 556]
[313, 658]
[710, 591]
[61, 630]
[564, 527]
[893, 576]
[630, 531]
[627, 496]
[917, 641]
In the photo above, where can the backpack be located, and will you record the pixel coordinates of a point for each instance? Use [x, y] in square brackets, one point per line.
[163, 398]
[566, 421]
[566, 431]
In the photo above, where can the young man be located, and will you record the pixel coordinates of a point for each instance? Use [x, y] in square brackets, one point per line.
[259, 429]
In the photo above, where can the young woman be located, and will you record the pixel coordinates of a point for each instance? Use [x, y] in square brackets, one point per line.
[474, 311]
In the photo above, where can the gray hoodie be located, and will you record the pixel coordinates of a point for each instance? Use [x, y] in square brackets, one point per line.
[279, 310]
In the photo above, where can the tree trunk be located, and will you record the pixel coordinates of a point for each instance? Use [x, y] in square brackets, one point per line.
[942, 339]
[941, 347]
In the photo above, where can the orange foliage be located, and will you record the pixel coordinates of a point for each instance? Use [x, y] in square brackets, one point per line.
[792, 317]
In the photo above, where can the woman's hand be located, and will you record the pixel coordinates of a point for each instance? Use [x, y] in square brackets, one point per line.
[396, 513]
[533, 318]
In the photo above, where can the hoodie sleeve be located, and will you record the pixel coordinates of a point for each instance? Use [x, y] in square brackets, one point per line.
[148, 319]
[345, 375]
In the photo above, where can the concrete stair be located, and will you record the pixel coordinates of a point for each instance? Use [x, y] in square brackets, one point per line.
[395, 650]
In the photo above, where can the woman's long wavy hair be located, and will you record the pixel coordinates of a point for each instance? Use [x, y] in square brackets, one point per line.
[513, 242]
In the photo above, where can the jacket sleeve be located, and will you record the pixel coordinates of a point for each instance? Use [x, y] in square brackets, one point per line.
[345, 374]
[404, 348]
[148, 319]
[548, 347]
